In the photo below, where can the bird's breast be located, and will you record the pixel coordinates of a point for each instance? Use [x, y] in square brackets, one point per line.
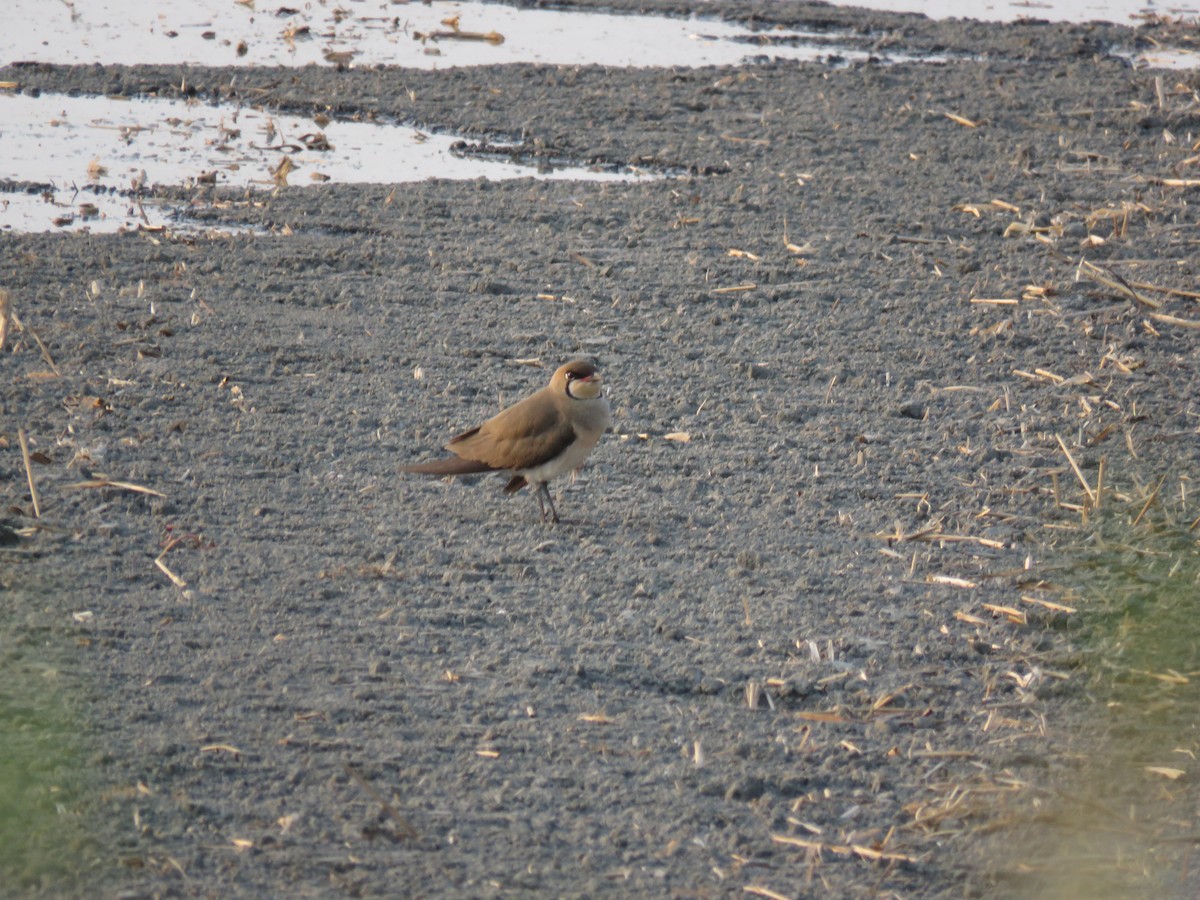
[590, 418]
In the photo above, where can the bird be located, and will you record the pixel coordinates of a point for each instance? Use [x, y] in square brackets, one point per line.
[548, 434]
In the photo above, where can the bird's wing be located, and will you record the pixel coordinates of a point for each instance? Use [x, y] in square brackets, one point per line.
[525, 435]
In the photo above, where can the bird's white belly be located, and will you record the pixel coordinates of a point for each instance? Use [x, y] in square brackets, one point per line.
[596, 420]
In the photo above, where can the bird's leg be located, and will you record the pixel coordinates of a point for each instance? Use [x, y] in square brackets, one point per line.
[544, 491]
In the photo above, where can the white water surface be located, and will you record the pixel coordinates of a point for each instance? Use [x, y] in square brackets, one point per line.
[79, 144]
[436, 35]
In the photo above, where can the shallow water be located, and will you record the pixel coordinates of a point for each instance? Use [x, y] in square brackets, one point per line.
[429, 36]
[109, 146]
[99, 151]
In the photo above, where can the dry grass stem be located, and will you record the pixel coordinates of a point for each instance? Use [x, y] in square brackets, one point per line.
[1175, 320]
[1114, 281]
[37, 506]
[951, 580]
[596, 718]
[175, 579]
[1166, 772]
[753, 694]
[5, 313]
[41, 346]
[1048, 604]
[494, 38]
[859, 850]
[960, 120]
[1087, 490]
[122, 485]
[760, 891]
[1174, 292]
[1149, 500]
[934, 534]
[221, 748]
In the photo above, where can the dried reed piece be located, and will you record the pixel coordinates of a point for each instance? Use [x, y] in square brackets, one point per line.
[1175, 320]
[122, 485]
[951, 580]
[1087, 490]
[494, 38]
[859, 850]
[37, 506]
[934, 534]
[158, 561]
[753, 693]
[759, 891]
[960, 120]
[221, 748]
[1114, 281]
[175, 579]
[1174, 292]
[1149, 500]
[5, 312]
[1048, 604]
[41, 346]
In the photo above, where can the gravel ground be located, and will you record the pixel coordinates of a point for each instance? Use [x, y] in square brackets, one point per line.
[801, 631]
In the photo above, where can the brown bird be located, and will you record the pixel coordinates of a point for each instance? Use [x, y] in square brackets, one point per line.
[543, 436]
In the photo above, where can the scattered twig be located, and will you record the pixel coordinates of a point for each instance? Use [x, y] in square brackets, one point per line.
[5, 309]
[222, 748]
[37, 506]
[492, 37]
[1175, 320]
[1149, 500]
[960, 120]
[1114, 281]
[759, 891]
[1174, 292]
[1087, 490]
[862, 852]
[41, 346]
[123, 485]
[158, 561]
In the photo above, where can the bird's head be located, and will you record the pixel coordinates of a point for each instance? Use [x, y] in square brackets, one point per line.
[579, 380]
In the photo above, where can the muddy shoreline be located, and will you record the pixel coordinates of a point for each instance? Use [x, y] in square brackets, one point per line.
[869, 327]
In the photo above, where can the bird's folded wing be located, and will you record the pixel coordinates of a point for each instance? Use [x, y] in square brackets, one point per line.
[521, 437]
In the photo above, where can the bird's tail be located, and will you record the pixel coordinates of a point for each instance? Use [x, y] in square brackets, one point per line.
[451, 465]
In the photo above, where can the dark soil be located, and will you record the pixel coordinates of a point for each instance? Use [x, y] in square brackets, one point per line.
[374, 684]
